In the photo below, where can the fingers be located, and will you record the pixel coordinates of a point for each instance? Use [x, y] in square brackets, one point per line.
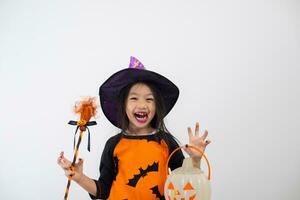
[60, 157]
[70, 171]
[197, 129]
[80, 162]
[63, 162]
[203, 137]
[207, 142]
[198, 139]
[65, 165]
[190, 132]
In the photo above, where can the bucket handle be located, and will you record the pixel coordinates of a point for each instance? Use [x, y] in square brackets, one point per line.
[192, 147]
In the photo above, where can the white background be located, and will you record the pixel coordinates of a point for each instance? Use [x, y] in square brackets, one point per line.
[236, 64]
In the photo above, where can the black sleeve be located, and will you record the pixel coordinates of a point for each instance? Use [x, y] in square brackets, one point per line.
[107, 172]
[177, 158]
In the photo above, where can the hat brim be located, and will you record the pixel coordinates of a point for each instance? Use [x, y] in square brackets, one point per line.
[111, 88]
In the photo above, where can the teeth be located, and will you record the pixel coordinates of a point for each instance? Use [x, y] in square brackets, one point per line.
[141, 113]
[141, 116]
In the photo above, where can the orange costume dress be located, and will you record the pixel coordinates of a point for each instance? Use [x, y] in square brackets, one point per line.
[133, 167]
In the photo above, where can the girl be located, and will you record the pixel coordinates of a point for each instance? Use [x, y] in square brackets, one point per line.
[133, 162]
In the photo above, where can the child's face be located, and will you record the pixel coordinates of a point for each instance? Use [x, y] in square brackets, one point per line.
[140, 108]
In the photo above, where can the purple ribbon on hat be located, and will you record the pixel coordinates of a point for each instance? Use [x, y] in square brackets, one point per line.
[135, 63]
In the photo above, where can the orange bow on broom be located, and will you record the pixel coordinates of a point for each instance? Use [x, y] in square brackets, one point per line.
[86, 109]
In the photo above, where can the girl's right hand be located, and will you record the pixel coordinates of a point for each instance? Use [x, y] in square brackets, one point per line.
[76, 172]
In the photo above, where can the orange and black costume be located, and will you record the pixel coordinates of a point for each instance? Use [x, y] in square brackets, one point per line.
[133, 167]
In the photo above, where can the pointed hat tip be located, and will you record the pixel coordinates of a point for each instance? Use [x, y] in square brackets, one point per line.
[135, 63]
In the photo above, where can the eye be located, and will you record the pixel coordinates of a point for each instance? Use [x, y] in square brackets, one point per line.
[188, 186]
[132, 98]
[150, 99]
[171, 186]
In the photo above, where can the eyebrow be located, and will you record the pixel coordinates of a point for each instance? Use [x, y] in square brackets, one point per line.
[134, 93]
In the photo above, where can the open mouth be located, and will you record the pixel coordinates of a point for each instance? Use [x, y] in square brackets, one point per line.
[141, 117]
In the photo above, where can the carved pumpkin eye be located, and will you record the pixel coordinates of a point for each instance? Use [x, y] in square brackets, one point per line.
[188, 186]
[171, 186]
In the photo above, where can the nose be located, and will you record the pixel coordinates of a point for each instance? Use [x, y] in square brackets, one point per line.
[142, 105]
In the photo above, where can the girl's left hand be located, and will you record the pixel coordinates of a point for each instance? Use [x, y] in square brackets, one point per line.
[199, 141]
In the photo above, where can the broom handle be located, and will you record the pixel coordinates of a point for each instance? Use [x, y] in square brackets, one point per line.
[73, 164]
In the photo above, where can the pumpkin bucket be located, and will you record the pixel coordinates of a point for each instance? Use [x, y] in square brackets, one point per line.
[187, 182]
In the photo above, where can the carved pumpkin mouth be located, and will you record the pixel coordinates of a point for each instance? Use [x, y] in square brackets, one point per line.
[190, 198]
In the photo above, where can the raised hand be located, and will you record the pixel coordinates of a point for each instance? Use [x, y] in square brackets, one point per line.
[197, 140]
[76, 172]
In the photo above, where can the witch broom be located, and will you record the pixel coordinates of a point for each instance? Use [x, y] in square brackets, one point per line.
[86, 109]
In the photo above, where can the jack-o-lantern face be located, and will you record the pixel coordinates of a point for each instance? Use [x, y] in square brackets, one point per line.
[188, 192]
[187, 182]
